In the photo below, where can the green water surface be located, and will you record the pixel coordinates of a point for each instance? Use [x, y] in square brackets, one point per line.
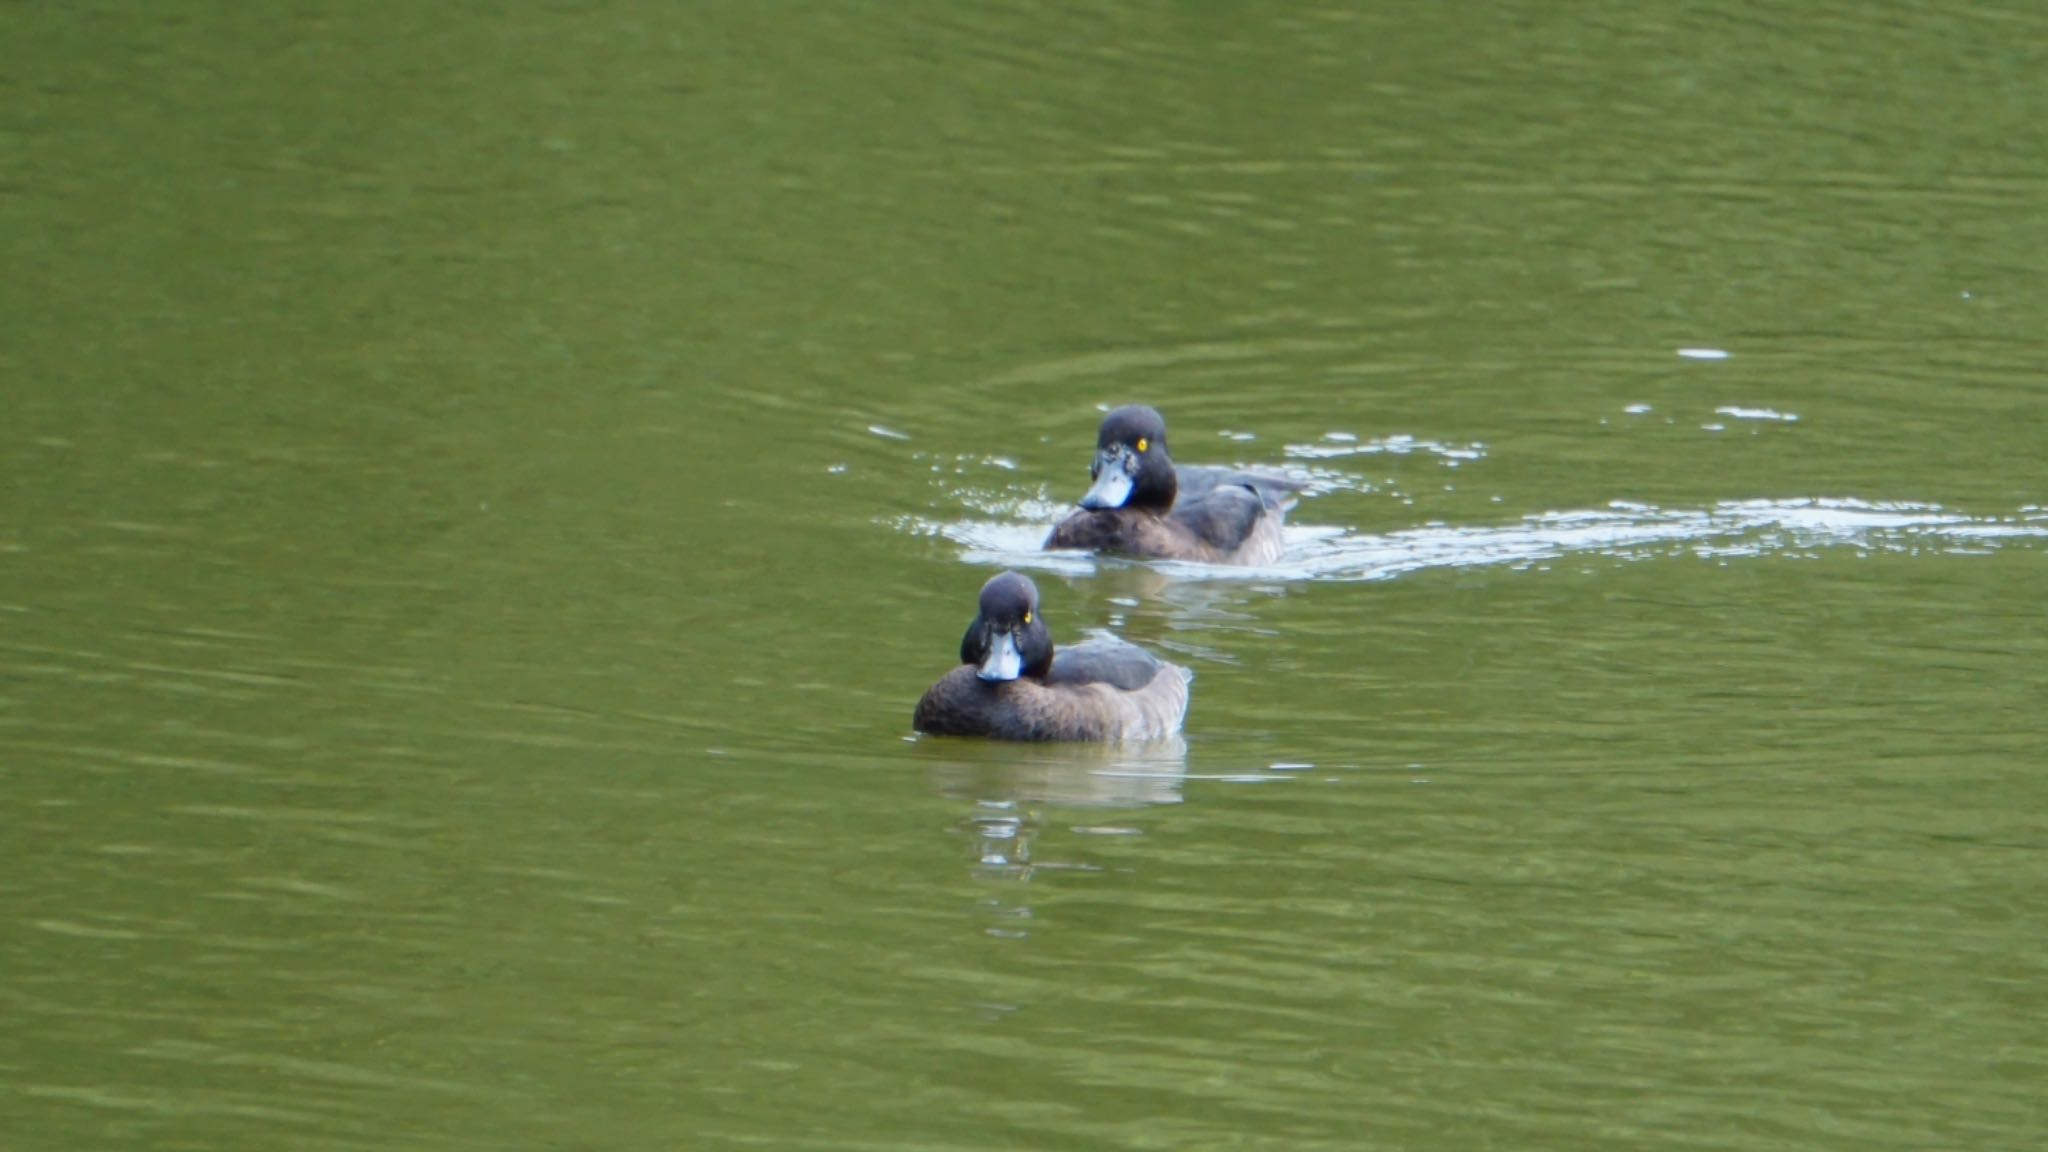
[482, 488]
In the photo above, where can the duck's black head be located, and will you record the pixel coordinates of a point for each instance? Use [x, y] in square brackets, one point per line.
[1007, 639]
[1131, 468]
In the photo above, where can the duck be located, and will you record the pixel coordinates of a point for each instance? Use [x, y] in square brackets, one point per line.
[1012, 685]
[1144, 505]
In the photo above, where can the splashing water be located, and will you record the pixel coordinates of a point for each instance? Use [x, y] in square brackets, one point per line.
[1337, 445]
[1622, 530]
[1016, 522]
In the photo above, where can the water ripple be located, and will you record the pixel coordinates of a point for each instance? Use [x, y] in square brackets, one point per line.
[1622, 530]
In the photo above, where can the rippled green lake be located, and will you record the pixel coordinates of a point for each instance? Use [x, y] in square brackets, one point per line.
[482, 489]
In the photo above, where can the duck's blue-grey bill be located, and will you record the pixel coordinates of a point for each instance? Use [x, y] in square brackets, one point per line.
[1112, 488]
[1003, 661]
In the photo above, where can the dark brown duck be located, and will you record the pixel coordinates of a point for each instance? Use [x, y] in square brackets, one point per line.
[1011, 685]
[1143, 505]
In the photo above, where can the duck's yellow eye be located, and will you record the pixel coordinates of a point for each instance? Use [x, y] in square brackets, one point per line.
[1027, 617]
[1143, 443]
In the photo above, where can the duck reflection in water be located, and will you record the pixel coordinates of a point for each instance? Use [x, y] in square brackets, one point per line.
[1033, 809]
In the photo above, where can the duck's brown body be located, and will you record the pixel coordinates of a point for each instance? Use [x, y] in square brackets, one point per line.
[963, 704]
[1149, 535]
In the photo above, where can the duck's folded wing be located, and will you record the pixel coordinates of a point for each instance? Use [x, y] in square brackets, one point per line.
[1105, 660]
[1199, 480]
[1224, 519]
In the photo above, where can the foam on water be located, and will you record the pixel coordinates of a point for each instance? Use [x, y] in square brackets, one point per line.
[1622, 530]
[1008, 525]
[1337, 445]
